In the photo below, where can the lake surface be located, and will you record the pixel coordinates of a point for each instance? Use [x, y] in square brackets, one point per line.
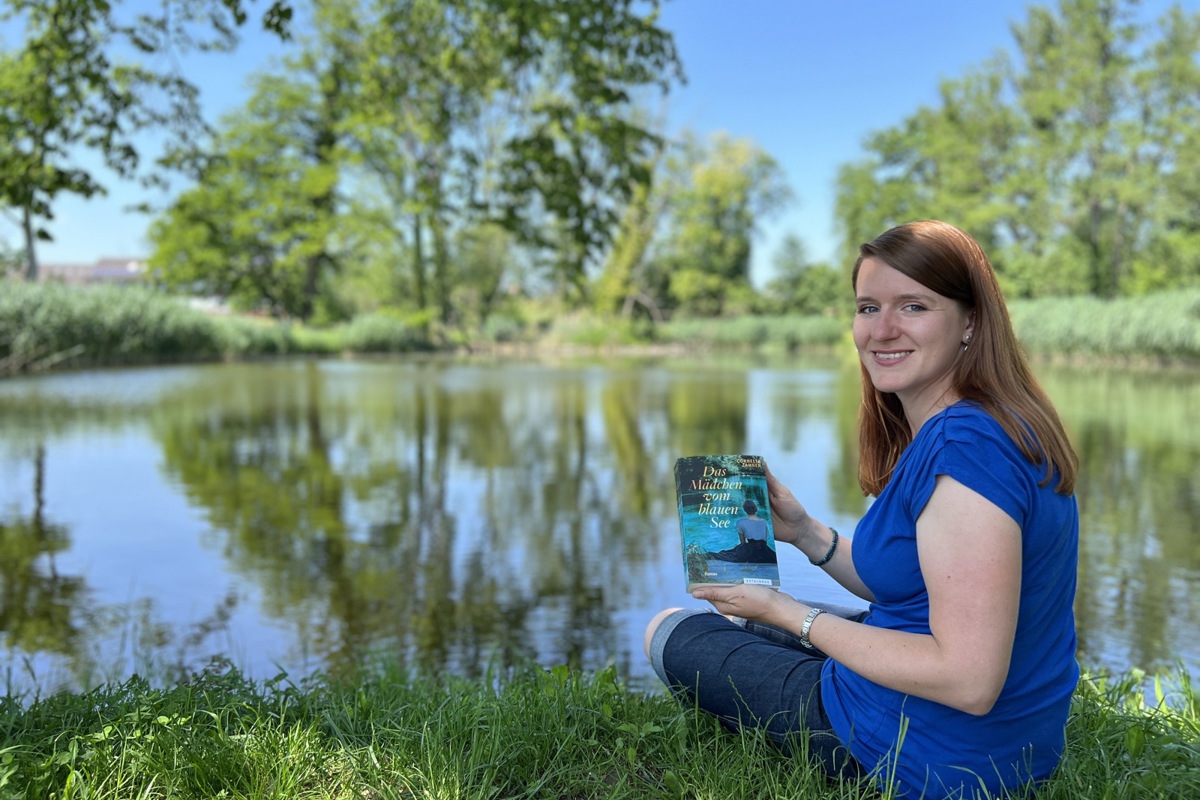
[303, 515]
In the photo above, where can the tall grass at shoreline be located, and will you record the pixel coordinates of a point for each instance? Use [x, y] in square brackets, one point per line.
[1158, 327]
[50, 326]
[774, 333]
[525, 733]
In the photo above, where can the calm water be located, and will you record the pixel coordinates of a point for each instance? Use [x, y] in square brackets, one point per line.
[309, 515]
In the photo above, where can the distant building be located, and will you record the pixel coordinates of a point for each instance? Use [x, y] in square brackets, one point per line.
[104, 270]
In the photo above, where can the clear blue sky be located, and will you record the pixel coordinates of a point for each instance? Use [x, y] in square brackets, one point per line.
[807, 81]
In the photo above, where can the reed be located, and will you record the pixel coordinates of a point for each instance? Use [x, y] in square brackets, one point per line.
[46, 326]
[1162, 326]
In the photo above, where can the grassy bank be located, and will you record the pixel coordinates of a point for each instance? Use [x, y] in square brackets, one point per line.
[1160, 327]
[52, 326]
[531, 733]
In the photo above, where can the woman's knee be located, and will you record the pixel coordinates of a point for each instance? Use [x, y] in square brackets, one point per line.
[653, 626]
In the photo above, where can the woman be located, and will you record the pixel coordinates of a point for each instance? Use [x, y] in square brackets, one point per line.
[751, 528]
[958, 678]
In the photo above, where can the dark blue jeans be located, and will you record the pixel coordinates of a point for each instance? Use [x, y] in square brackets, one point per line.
[752, 676]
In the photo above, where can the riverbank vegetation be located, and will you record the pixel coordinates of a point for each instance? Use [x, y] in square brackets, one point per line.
[375, 212]
[524, 733]
[50, 326]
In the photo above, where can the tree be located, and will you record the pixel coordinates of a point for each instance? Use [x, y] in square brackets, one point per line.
[628, 280]
[801, 287]
[452, 116]
[1165, 89]
[65, 90]
[260, 226]
[521, 114]
[951, 162]
[584, 152]
[1071, 162]
[727, 186]
[425, 84]
[1076, 93]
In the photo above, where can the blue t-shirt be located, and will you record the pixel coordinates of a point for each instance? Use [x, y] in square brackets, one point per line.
[1023, 736]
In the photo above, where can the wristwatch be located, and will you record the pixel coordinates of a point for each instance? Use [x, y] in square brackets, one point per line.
[807, 626]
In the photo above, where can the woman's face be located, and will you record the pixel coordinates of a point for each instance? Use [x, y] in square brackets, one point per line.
[908, 338]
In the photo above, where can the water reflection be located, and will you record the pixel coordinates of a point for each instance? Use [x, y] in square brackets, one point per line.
[1139, 494]
[297, 515]
[35, 597]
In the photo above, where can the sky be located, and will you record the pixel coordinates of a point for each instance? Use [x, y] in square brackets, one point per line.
[806, 81]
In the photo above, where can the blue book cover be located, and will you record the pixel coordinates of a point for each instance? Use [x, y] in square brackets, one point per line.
[725, 521]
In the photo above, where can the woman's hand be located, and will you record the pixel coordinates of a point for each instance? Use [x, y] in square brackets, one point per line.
[791, 523]
[789, 520]
[747, 601]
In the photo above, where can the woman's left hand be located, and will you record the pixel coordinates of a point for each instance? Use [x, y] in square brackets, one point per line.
[745, 600]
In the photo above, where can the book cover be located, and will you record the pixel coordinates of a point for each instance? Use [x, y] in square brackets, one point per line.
[725, 521]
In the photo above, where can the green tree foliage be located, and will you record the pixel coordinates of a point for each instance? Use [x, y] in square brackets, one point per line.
[939, 162]
[801, 287]
[684, 242]
[726, 187]
[77, 84]
[277, 18]
[259, 229]
[450, 119]
[629, 279]
[1072, 161]
[424, 86]
[583, 152]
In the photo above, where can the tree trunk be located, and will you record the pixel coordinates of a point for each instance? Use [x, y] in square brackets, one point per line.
[441, 272]
[31, 262]
[418, 264]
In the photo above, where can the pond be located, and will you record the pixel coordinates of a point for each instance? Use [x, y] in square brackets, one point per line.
[456, 514]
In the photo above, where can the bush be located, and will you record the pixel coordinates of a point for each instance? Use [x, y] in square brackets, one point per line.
[253, 336]
[382, 333]
[785, 332]
[502, 329]
[587, 329]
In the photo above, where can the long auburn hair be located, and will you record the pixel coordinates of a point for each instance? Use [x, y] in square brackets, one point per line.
[991, 372]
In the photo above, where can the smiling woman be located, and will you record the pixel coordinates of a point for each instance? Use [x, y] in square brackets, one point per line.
[909, 339]
[960, 675]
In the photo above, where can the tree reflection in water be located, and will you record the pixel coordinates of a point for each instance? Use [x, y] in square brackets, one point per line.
[463, 515]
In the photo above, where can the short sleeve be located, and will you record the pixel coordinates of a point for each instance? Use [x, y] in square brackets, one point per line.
[979, 455]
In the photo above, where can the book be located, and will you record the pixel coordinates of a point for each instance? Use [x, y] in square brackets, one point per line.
[725, 521]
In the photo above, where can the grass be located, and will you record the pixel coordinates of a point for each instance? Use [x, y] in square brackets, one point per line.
[46, 326]
[1159, 327]
[524, 733]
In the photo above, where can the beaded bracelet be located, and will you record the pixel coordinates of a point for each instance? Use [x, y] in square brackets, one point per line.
[829, 554]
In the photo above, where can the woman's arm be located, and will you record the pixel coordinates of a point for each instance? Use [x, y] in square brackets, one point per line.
[792, 524]
[970, 556]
